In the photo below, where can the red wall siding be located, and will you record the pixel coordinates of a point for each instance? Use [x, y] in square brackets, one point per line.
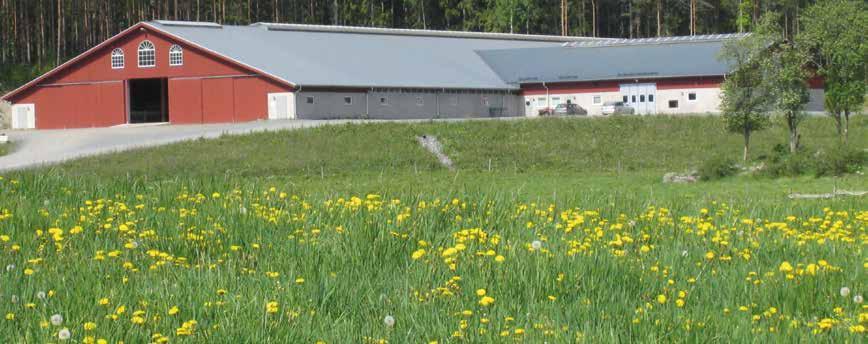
[218, 100]
[97, 67]
[572, 87]
[78, 106]
[705, 82]
[251, 98]
[615, 85]
[185, 101]
[92, 94]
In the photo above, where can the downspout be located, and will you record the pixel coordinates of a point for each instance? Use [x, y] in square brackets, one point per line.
[367, 103]
[437, 100]
[297, 101]
[548, 98]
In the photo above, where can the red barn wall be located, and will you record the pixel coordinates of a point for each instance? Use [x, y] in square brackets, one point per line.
[205, 89]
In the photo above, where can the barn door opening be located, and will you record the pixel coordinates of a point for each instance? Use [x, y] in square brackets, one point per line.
[149, 100]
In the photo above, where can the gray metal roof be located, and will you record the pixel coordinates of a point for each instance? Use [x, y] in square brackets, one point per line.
[321, 56]
[611, 60]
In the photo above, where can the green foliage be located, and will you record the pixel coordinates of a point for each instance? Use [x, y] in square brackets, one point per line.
[15, 75]
[833, 161]
[747, 95]
[783, 163]
[834, 35]
[717, 167]
[840, 160]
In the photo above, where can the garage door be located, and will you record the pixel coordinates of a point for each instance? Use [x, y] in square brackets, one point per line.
[641, 97]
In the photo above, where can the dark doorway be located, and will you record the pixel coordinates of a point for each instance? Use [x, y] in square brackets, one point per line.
[149, 100]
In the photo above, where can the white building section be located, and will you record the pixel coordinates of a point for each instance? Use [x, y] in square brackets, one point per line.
[24, 116]
[640, 97]
[281, 105]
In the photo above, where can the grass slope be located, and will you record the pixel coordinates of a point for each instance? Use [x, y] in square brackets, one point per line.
[567, 145]
[320, 234]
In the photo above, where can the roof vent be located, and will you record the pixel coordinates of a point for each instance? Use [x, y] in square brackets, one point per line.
[189, 24]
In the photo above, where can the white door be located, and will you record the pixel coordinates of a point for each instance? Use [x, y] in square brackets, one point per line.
[23, 116]
[281, 105]
[529, 107]
[641, 97]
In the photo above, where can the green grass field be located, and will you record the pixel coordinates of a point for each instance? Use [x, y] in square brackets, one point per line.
[554, 230]
[5, 149]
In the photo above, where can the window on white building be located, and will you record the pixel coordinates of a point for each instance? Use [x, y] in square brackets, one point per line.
[348, 100]
[309, 100]
[384, 101]
[147, 54]
[117, 58]
[420, 101]
[673, 104]
[598, 100]
[176, 56]
[691, 96]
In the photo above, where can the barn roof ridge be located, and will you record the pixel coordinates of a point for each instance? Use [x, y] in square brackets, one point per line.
[421, 32]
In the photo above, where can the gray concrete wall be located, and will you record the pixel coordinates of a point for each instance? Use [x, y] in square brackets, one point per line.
[329, 105]
[409, 104]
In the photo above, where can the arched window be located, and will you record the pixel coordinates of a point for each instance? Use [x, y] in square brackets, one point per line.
[117, 58]
[176, 56]
[147, 54]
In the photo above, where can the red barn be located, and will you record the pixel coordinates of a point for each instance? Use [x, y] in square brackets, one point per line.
[127, 79]
[191, 72]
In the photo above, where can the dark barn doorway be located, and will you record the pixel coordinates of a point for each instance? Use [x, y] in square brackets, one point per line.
[149, 100]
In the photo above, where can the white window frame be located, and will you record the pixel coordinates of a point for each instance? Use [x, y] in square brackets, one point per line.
[147, 52]
[117, 56]
[597, 99]
[176, 56]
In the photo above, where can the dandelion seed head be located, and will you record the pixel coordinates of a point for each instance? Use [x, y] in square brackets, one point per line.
[845, 291]
[857, 299]
[64, 334]
[389, 321]
[536, 244]
[56, 319]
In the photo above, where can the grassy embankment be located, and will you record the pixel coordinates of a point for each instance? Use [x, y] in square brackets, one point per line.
[563, 223]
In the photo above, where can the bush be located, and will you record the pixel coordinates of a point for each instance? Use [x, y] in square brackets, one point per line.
[717, 167]
[840, 161]
[789, 165]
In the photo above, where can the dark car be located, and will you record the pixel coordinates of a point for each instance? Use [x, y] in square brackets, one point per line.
[570, 109]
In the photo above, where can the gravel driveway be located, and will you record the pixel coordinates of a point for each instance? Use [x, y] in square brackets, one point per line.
[38, 147]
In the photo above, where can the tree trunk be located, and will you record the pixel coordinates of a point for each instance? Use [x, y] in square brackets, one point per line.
[594, 18]
[659, 18]
[792, 125]
[746, 144]
[846, 124]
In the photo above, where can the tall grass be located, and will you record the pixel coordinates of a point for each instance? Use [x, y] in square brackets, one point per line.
[610, 266]
[320, 235]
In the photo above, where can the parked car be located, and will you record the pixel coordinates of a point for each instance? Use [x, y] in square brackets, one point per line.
[617, 108]
[563, 109]
[570, 109]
